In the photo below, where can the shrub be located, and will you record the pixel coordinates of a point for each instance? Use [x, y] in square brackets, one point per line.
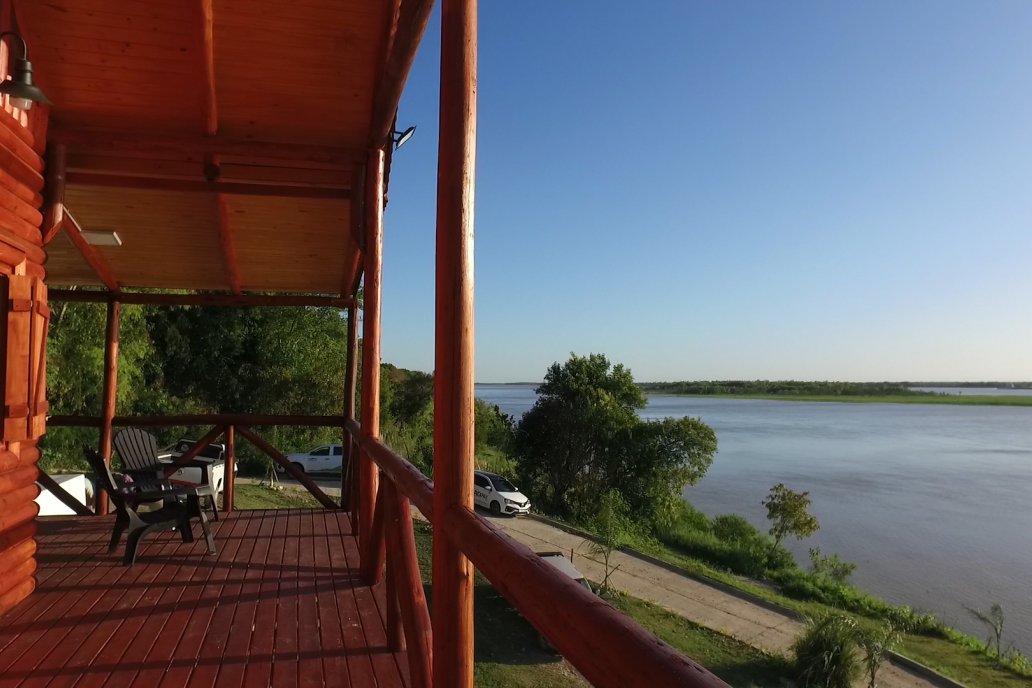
[826, 654]
[734, 528]
[830, 565]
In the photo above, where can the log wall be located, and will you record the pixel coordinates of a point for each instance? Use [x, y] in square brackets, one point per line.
[24, 316]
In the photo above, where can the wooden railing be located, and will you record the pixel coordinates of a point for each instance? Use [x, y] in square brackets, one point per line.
[606, 646]
[227, 425]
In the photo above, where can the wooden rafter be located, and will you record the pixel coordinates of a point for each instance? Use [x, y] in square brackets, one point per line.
[90, 254]
[402, 42]
[53, 214]
[357, 228]
[226, 239]
[115, 143]
[128, 181]
[211, 110]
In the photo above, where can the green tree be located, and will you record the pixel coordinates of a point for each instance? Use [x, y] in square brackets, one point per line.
[788, 513]
[583, 438]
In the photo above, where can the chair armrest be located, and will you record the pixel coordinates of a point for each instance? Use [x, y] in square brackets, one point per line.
[151, 495]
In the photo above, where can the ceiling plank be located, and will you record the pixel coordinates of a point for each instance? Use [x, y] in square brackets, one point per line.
[95, 260]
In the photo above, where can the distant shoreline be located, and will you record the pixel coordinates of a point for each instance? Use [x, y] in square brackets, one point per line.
[954, 399]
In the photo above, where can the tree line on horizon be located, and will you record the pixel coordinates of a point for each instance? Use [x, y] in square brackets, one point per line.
[783, 388]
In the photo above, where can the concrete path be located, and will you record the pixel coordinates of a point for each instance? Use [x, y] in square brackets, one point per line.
[703, 604]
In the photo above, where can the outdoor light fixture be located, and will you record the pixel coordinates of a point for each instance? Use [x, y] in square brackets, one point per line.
[400, 137]
[19, 88]
[102, 238]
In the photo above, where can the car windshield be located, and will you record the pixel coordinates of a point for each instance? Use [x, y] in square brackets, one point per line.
[503, 485]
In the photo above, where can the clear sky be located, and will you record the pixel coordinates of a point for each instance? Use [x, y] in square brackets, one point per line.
[713, 190]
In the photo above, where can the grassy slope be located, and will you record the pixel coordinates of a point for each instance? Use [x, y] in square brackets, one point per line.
[954, 399]
[965, 664]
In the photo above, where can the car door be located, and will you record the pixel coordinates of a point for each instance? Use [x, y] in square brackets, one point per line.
[336, 458]
[481, 490]
[319, 459]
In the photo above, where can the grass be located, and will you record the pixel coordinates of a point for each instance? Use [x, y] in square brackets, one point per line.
[735, 662]
[954, 399]
[960, 658]
[254, 496]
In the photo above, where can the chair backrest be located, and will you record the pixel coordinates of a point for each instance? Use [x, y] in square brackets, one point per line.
[105, 480]
[138, 449]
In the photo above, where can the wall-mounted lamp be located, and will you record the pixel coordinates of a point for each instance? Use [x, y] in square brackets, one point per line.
[102, 238]
[400, 137]
[19, 88]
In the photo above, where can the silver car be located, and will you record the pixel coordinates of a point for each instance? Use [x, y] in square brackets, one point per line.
[324, 459]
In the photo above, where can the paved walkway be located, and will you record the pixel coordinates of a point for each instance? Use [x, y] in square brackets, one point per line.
[693, 599]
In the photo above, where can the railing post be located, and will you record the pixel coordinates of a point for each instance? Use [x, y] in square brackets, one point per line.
[395, 635]
[367, 475]
[453, 370]
[111, 339]
[230, 485]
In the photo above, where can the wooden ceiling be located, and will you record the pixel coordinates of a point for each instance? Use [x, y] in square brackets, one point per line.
[218, 138]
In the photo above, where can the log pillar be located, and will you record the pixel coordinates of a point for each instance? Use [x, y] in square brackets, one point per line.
[229, 486]
[372, 265]
[453, 376]
[350, 385]
[107, 412]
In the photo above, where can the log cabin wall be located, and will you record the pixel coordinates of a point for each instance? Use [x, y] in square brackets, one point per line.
[24, 316]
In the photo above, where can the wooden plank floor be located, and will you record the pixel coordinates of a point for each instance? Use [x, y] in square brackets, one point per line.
[281, 604]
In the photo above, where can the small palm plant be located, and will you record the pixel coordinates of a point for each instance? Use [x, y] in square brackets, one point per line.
[826, 653]
[874, 644]
[610, 526]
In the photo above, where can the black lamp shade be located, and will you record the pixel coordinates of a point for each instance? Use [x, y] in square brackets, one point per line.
[20, 84]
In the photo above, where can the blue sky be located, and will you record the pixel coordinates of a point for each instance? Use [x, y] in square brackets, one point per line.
[713, 190]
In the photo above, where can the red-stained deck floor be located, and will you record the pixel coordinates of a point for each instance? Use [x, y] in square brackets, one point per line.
[281, 604]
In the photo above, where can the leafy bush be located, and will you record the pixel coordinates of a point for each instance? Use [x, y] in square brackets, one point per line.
[826, 654]
[830, 566]
[735, 528]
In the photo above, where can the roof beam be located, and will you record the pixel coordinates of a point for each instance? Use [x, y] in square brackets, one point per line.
[403, 41]
[211, 110]
[173, 299]
[226, 239]
[129, 181]
[115, 142]
[93, 258]
[357, 229]
[54, 212]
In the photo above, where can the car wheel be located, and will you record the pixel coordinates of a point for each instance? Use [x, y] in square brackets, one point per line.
[298, 466]
[496, 509]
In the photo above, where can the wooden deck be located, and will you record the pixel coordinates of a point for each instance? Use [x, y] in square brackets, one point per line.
[282, 604]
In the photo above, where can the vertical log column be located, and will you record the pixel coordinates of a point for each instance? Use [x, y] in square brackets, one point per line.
[371, 256]
[350, 455]
[229, 484]
[453, 377]
[114, 317]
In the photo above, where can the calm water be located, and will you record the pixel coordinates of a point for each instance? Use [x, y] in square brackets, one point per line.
[934, 503]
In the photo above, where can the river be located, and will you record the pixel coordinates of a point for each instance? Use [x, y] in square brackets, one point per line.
[933, 502]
